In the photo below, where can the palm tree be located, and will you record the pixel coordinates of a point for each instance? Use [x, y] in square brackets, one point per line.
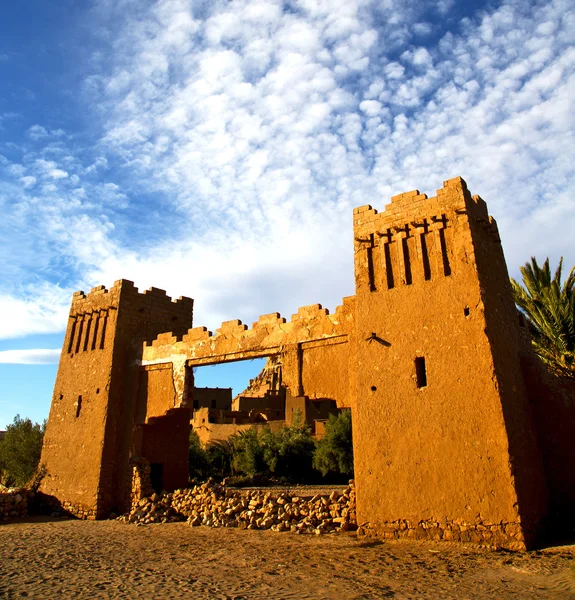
[549, 307]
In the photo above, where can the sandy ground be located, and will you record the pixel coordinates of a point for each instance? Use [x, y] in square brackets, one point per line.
[53, 558]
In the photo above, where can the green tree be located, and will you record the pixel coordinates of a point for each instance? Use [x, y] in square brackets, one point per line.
[20, 451]
[288, 453]
[248, 453]
[334, 452]
[548, 304]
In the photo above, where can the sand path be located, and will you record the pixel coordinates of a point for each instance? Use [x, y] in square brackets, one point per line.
[55, 558]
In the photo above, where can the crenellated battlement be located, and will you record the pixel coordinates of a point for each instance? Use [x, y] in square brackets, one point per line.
[411, 208]
[412, 239]
[101, 296]
[270, 331]
[94, 315]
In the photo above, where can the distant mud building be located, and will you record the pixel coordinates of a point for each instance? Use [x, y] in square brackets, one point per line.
[459, 431]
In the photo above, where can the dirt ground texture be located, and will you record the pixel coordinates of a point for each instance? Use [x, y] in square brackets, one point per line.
[56, 558]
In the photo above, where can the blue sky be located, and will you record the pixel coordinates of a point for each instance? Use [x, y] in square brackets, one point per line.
[216, 149]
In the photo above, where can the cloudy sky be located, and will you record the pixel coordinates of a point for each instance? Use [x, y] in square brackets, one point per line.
[216, 149]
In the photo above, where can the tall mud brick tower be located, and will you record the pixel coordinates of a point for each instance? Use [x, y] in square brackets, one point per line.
[91, 428]
[444, 442]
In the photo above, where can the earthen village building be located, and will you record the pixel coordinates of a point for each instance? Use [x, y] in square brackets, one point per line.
[456, 424]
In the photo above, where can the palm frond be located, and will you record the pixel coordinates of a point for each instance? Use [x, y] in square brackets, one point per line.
[548, 305]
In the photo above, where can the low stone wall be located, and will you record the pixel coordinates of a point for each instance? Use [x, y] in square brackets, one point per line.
[46, 504]
[79, 511]
[14, 504]
[215, 505]
[500, 535]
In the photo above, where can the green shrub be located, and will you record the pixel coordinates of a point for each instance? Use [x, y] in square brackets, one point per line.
[219, 455]
[334, 452]
[288, 453]
[213, 459]
[198, 464]
[20, 451]
[248, 453]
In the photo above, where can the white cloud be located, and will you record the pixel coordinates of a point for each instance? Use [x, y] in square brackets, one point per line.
[30, 357]
[37, 132]
[370, 107]
[44, 309]
[256, 130]
[28, 181]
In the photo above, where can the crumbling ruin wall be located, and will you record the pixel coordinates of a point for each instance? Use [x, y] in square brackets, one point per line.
[89, 432]
[314, 349]
[141, 486]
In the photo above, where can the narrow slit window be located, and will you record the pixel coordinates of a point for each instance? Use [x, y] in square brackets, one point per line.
[72, 335]
[444, 254]
[420, 372]
[388, 266]
[370, 267]
[78, 406]
[406, 261]
[103, 338]
[80, 331]
[425, 258]
[95, 333]
[87, 336]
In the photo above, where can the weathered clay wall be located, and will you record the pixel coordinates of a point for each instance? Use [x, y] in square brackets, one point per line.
[553, 400]
[312, 329]
[89, 430]
[309, 411]
[507, 345]
[273, 402]
[325, 372]
[156, 393]
[165, 441]
[234, 341]
[210, 432]
[142, 317]
[212, 398]
[74, 439]
[430, 433]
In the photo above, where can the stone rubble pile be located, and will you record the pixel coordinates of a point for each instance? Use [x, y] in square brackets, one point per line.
[14, 503]
[215, 505]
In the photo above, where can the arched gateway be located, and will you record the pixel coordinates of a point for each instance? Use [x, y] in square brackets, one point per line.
[429, 355]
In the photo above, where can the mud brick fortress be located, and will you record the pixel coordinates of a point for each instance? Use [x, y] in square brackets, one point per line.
[459, 432]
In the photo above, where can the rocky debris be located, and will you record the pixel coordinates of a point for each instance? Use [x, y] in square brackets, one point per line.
[214, 505]
[14, 503]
